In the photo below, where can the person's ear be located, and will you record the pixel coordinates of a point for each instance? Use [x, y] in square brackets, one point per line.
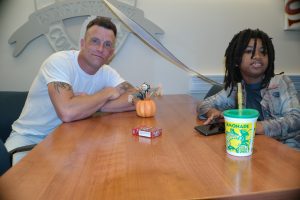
[111, 55]
[111, 52]
[82, 43]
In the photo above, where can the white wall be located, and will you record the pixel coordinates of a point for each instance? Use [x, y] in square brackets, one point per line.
[196, 31]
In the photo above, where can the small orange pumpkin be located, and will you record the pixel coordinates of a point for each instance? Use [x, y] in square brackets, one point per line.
[145, 108]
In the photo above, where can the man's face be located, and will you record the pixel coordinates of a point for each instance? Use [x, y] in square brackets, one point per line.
[96, 48]
[253, 69]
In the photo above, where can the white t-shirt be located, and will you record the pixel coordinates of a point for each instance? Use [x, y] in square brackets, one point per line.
[38, 116]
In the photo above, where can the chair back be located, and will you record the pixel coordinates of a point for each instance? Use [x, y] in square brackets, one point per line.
[5, 159]
[213, 90]
[11, 105]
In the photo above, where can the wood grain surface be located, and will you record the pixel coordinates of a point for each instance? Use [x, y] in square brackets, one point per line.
[99, 158]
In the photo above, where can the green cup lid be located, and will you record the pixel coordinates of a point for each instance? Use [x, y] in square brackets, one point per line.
[243, 113]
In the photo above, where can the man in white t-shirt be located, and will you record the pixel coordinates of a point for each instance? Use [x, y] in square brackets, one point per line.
[72, 85]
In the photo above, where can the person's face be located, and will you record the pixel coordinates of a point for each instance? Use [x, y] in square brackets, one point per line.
[253, 69]
[96, 48]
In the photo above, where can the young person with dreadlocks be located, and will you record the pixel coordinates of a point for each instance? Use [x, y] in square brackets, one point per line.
[250, 60]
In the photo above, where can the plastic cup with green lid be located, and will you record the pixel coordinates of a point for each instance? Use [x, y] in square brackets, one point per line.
[240, 127]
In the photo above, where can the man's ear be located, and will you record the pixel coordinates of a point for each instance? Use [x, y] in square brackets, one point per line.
[111, 55]
[81, 43]
[112, 51]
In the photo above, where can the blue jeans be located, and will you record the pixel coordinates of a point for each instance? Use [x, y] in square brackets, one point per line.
[17, 140]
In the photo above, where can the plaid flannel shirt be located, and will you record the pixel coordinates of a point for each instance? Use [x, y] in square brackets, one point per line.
[280, 107]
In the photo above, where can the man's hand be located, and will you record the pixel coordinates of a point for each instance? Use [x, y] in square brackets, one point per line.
[120, 103]
[114, 93]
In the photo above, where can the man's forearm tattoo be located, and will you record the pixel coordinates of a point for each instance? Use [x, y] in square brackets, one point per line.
[61, 85]
[126, 86]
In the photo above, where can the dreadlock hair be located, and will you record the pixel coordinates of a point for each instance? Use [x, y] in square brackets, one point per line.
[104, 22]
[235, 51]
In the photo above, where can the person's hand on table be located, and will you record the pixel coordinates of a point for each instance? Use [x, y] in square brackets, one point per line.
[213, 115]
[259, 128]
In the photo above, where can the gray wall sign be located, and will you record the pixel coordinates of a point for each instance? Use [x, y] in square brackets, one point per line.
[47, 19]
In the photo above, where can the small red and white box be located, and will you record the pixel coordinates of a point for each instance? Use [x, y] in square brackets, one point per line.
[135, 131]
[145, 131]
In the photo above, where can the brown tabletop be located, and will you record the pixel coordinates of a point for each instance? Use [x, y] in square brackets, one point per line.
[99, 158]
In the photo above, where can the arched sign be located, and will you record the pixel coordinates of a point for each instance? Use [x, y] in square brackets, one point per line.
[48, 18]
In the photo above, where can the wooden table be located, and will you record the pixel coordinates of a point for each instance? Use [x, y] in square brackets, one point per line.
[99, 158]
